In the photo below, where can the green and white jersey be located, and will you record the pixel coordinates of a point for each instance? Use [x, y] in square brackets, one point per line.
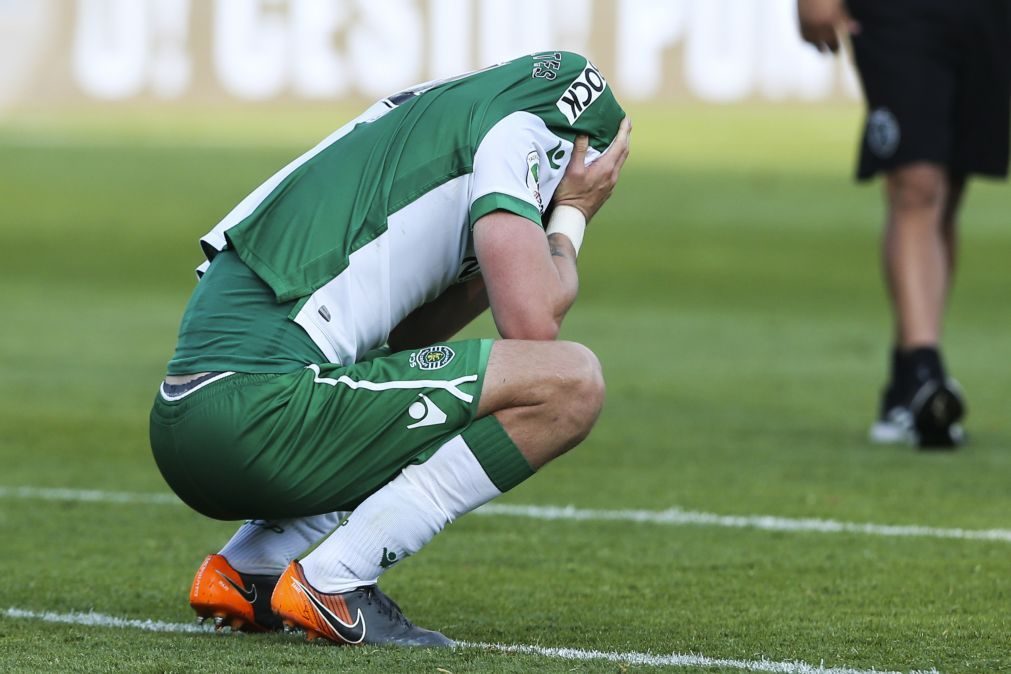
[376, 220]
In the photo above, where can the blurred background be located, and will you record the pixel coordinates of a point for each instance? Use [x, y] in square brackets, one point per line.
[286, 71]
[65, 52]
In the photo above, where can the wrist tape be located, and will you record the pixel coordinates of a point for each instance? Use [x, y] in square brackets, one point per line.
[571, 222]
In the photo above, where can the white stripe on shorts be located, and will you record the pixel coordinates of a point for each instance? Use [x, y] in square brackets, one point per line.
[451, 385]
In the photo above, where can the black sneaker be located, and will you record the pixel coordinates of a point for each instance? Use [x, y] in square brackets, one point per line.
[240, 601]
[361, 616]
[937, 408]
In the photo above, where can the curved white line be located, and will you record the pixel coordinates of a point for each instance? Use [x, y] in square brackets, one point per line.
[172, 398]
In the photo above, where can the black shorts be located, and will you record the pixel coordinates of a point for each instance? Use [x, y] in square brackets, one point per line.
[937, 77]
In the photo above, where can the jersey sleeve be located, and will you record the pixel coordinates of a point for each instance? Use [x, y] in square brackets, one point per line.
[509, 170]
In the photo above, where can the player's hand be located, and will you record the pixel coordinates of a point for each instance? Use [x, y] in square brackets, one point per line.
[821, 21]
[588, 187]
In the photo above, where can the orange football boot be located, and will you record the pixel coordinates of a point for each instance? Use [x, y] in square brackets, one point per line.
[233, 599]
[363, 615]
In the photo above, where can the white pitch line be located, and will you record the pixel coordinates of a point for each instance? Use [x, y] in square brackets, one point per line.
[87, 495]
[92, 619]
[670, 517]
[677, 516]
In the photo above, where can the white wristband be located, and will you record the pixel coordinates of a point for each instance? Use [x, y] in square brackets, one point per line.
[571, 222]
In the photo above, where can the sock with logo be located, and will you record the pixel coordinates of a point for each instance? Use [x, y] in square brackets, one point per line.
[266, 547]
[406, 513]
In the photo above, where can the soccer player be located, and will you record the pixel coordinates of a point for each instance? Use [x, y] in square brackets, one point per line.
[937, 78]
[313, 389]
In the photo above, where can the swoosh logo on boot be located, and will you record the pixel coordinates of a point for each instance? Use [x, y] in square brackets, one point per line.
[353, 633]
[249, 595]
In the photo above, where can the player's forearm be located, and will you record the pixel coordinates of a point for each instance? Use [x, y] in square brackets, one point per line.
[441, 318]
[539, 316]
[563, 255]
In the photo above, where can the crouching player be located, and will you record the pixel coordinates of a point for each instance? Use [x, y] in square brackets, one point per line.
[313, 390]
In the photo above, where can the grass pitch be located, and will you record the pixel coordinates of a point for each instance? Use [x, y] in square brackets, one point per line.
[731, 290]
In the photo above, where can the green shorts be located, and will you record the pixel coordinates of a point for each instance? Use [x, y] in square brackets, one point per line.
[318, 439]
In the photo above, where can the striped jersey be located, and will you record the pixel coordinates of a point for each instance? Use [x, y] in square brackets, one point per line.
[376, 219]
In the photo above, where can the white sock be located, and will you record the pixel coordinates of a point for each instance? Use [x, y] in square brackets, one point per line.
[400, 518]
[265, 547]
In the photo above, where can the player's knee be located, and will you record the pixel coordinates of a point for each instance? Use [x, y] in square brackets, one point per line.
[582, 393]
[593, 381]
[916, 188]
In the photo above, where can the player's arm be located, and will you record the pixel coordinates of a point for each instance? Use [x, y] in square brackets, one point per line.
[441, 318]
[531, 280]
[535, 284]
[531, 283]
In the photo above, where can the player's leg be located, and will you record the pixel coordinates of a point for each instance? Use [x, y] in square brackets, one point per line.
[234, 586]
[538, 400]
[540, 420]
[221, 448]
[547, 395]
[918, 260]
[915, 252]
[980, 139]
[266, 547]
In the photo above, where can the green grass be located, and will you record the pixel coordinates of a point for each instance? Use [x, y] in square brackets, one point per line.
[731, 290]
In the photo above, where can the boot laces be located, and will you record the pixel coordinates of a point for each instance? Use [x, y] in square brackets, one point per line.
[386, 605]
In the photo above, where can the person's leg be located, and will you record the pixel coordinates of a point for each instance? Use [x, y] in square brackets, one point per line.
[920, 403]
[547, 395]
[265, 547]
[234, 586]
[915, 253]
[538, 400]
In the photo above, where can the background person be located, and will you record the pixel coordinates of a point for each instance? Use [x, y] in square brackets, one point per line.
[937, 79]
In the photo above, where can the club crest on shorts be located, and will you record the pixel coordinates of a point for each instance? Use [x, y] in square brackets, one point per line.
[432, 357]
[882, 133]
